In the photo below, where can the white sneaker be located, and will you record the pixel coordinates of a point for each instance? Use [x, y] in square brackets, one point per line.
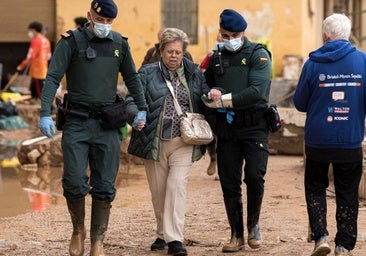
[321, 247]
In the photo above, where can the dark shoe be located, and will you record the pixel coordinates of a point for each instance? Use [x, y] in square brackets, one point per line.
[158, 245]
[176, 248]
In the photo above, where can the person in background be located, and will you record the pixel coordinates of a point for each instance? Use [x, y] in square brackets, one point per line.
[239, 77]
[91, 57]
[39, 53]
[153, 54]
[332, 91]
[80, 22]
[211, 148]
[218, 45]
[167, 158]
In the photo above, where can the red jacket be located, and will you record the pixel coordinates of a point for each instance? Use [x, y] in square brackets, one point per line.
[38, 55]
[204, 64]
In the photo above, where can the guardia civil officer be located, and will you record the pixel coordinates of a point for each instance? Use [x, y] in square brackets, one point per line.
[241, 73]
[91, 57]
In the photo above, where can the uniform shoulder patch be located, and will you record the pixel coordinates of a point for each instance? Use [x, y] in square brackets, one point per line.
[65, 35]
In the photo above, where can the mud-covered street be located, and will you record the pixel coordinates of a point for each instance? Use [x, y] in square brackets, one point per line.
[283, 220]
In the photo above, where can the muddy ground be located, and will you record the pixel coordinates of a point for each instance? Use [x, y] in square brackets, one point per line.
[283, 222]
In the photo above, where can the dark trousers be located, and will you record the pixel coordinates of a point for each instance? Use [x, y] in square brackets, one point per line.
[36, 87]
[230, 157]
[346, 181]
[85, 143]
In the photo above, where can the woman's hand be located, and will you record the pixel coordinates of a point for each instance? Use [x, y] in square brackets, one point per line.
[214, 94]
[139, 121]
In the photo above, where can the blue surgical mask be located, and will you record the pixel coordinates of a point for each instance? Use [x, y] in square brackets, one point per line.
[101, 30]
[233, 45]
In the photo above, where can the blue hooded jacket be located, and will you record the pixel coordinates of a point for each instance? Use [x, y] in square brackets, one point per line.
[331, 90]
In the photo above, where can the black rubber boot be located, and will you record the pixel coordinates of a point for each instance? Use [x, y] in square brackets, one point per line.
[254, 204]
[77, 213]
[99, 225]
[234, 211]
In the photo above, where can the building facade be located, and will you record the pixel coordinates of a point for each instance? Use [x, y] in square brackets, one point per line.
[290, 27]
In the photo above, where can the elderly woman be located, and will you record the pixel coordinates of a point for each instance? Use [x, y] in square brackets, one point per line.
[167, 158]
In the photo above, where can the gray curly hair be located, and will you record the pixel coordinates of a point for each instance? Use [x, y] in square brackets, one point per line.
[170, 35]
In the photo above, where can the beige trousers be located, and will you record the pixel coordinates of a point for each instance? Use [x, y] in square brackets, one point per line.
[168, 186]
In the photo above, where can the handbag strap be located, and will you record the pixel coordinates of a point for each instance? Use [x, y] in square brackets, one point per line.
[170, 87]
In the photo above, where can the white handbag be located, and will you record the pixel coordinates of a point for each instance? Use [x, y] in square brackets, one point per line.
[194, 128]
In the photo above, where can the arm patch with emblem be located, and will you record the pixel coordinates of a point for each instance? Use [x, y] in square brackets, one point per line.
[66, 34]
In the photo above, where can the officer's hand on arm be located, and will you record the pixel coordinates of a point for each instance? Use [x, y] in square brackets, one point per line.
[225, 101]
[47, 126]
[139, 121]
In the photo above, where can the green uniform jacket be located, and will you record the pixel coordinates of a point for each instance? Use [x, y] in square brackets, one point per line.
[91, 72]
[246, 74]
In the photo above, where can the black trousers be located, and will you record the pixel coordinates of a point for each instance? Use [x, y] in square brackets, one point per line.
[346, 181]
[36, 87]
[231, 155]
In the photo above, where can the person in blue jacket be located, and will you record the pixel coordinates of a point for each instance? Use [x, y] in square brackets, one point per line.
[331, 90]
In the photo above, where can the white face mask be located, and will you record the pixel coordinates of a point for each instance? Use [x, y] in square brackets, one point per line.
[233, 45]
[101, 30]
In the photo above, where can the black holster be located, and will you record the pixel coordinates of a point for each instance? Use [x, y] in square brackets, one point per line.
[64, 109]
[60, 113]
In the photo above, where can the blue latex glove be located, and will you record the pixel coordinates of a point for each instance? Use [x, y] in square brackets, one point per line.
[47, 126]
[229, 114]
[141, 116]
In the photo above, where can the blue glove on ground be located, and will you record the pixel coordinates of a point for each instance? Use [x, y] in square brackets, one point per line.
[141, 116]
[47, 126]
